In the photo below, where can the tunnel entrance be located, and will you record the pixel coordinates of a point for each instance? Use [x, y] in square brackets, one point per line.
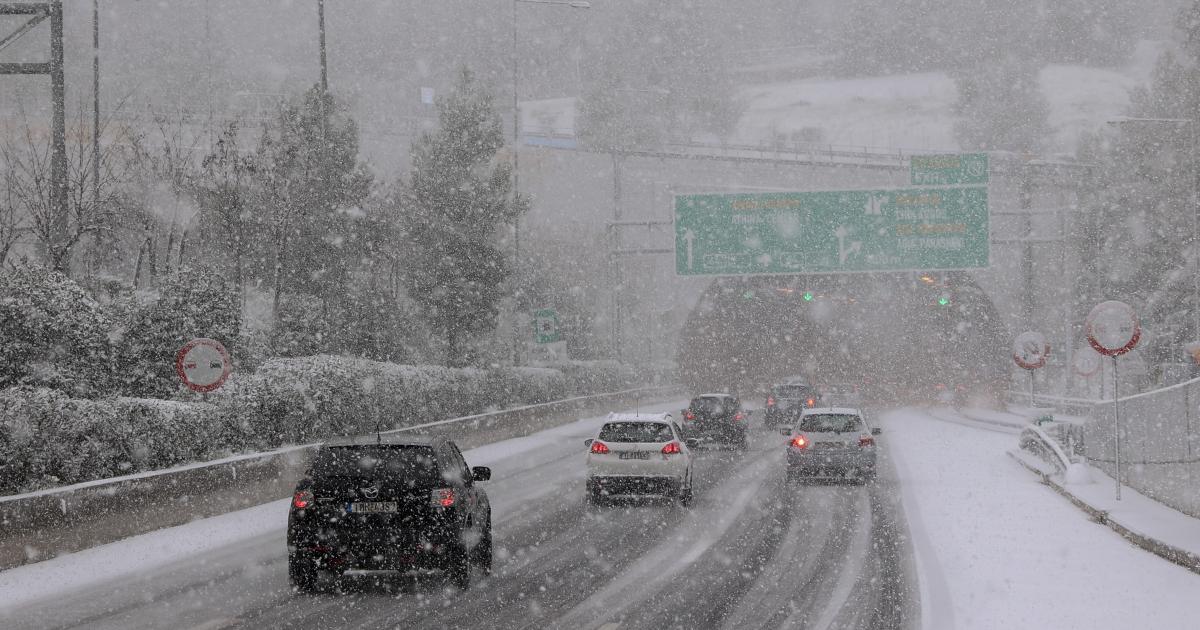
[899, 336]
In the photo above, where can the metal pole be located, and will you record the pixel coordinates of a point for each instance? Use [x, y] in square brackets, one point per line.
[96, 105]
[1031, 397]
[516, 188]
[1117, 428]
[58, 149]
[1195, 233]
[321, 38]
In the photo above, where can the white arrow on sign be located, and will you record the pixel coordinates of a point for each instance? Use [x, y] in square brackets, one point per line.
[689, 238]
[844, 252]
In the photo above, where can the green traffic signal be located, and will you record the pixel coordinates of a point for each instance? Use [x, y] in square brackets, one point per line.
[943, 301]
[808, 296]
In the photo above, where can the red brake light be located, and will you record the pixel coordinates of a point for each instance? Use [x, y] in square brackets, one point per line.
[770, 401]
[442, 497]
[689, 416]
[302, 499]
[672, 449]
[866, 440]
[810, 402]
[800, 442]
[599, 448]
[740, 416]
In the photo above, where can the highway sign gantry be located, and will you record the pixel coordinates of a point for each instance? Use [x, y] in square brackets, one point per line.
[831, 231]
[949, 170]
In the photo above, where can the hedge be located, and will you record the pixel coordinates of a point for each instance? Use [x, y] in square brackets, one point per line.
[49, 439]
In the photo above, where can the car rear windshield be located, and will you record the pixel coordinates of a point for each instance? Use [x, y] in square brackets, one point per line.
[831, 423]
[793, 391]
[712, 406]
[410, 464]
[636, 432]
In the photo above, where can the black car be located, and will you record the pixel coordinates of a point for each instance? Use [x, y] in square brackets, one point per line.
[784, 397]
[715, 418]
[398, 503]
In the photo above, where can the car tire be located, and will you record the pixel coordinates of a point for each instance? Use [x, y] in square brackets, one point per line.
[302, 573]
[483, 549]
[458, 568]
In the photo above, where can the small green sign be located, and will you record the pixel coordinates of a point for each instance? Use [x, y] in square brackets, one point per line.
[949, 170]
[545, 326]
[830, 232]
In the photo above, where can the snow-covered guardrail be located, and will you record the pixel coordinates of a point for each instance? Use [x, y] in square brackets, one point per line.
[45, 523]
[1035, 440]
[1074, 406]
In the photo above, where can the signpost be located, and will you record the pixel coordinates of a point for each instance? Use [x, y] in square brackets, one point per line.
[1113, 329]
[834, 231]
[203, 364]
[1030, 351]
[949, 170]
[545, 326]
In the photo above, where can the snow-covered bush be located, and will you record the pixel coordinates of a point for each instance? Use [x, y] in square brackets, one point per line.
[52, 333]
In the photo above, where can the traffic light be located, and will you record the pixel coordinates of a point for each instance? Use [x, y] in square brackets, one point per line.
[808, 296]
[944, 300]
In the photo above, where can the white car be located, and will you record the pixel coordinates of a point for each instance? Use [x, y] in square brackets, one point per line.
[638, 455]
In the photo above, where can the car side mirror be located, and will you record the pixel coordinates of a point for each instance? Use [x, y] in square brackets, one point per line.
[876, 430]
[481, 473]
[588, 443]
[785, 431]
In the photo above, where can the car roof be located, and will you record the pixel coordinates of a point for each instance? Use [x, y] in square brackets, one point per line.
[388, 439]
[641, 417]
[822, 410]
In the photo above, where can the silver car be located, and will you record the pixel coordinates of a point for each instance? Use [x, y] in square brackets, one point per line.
[830, 443]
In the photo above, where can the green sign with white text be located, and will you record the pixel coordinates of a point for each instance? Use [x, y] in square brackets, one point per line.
[545, 326]
[949, 170]
[830, 232]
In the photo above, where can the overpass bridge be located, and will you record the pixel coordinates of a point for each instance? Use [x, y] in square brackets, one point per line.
[622, 203]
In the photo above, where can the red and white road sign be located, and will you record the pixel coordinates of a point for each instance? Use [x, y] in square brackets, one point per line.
[1030, 350]
[203, 364]
[1112, 328]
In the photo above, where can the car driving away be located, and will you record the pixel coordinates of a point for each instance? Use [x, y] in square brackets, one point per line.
[638, 456]
[830, 443]
[784, 397]
[715, 418]
[403, 504]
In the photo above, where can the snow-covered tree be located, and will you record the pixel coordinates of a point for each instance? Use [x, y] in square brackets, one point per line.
[454, 209]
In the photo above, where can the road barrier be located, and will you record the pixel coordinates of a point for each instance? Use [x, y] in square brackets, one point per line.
[43, 524]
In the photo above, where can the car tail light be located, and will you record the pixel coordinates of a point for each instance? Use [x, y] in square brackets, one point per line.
[689, 416]
[770, 401]
[599, 448]
[811, 402]
[739, 416]
[800, 441]
[302, 499]
[865, 441]
[442, 497]
[672, 449]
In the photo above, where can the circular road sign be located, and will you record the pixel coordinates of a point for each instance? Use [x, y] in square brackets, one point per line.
[1112, 328]
[1030, 350]
[203, 364]
[1086, 361]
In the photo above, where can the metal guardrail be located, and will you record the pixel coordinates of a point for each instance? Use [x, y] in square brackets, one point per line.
[1074, 406]
[45, 523]
[1035, 440]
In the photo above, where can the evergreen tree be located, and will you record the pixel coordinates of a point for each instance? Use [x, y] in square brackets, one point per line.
[453, 209]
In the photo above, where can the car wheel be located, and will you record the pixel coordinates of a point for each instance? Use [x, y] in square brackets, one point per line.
[302, 572]
[483, 550]
[458, 568]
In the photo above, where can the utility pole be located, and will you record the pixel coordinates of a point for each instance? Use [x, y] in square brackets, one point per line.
[96, 104]
[321, 38]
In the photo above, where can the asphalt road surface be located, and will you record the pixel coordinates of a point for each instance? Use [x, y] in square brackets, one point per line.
[750, 552]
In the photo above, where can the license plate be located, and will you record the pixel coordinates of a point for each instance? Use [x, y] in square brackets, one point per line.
[635, 455]
[372, 507]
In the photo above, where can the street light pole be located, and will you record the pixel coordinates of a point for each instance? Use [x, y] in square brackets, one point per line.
[516, 163]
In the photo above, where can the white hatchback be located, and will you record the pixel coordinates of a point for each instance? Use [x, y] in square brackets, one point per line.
[638, 455]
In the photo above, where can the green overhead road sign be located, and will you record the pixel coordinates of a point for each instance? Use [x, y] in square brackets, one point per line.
[545, 326]
[947, 170]
[829, 232]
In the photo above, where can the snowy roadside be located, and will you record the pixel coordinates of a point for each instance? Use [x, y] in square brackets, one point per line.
[1002, 550]
[140, 554]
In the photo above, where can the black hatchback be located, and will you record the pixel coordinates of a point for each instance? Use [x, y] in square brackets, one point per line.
[712, 418]
[390, 503]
